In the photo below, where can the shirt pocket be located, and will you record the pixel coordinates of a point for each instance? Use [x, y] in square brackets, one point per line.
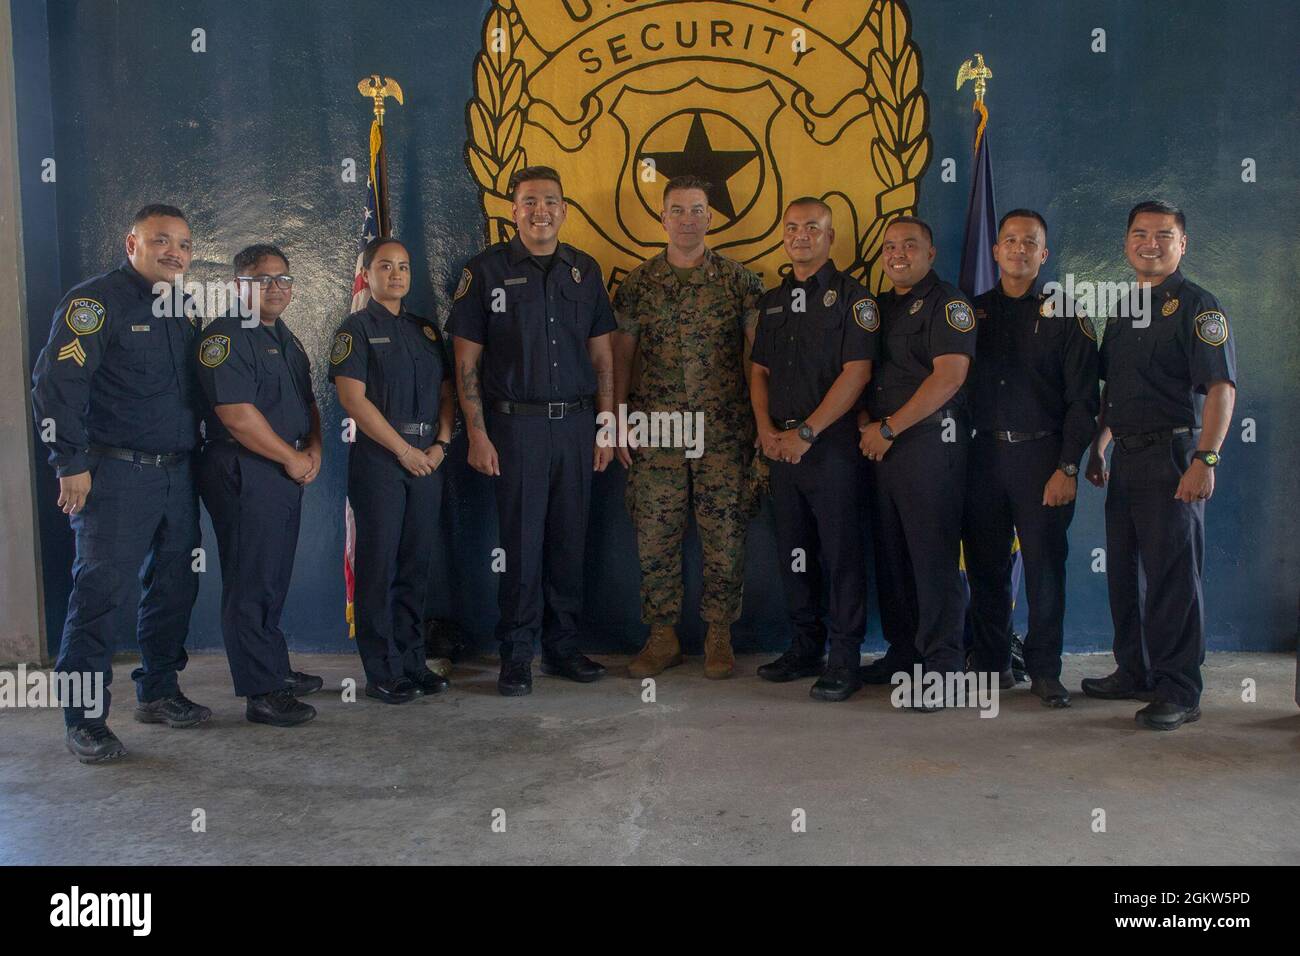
[146, 355]
[269, 371]
[1166, 350]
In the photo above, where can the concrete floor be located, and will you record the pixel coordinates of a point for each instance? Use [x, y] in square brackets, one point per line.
[710, 773]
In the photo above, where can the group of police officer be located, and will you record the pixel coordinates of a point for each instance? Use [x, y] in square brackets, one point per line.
[939, 421]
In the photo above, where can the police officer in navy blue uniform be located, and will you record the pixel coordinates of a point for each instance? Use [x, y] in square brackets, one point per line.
[816, 339]
[915, 433]
[1034, 398]
[531, 321]
[263, 447]
[1170, 386]
[116, 399]
[391, 371]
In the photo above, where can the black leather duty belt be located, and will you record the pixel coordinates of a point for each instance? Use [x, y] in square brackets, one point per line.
[138, 457]
[422, 429]
[552, 410]
[1013, 437]
[1145, 439]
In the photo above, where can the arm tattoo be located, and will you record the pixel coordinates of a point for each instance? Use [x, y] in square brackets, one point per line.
[605, 384]
[469, 390]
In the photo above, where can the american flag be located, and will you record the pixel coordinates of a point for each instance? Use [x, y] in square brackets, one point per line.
[376, 223]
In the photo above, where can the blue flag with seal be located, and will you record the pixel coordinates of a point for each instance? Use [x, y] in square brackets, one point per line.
[978, 271]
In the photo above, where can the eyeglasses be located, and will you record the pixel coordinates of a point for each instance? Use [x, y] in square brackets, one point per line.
[282, 281]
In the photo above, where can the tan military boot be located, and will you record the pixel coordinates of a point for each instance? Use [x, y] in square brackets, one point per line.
[661, 652]
[719, 662]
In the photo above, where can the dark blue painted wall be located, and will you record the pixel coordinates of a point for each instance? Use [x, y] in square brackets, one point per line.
[249, 136]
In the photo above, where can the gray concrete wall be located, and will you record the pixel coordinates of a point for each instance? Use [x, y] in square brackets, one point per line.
[21, 630]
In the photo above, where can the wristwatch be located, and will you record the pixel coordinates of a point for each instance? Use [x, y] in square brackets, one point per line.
[1068, 469]
[446, 445]
[806, 433]
[886, 432]
[1211, 458]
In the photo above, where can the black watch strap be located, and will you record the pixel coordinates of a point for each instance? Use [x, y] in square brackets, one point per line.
[885, 431]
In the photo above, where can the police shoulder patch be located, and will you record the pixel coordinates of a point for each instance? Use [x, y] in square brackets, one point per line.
[214, 350]
[84, 316]
[466, 277]
[959, 315]
[1212, 328]
[866, 314]
[341, 348]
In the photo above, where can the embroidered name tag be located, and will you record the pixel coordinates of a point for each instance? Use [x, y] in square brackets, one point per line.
[272, 351]
[517, 281]
[384, 341]
[141, 328]
[775, 309]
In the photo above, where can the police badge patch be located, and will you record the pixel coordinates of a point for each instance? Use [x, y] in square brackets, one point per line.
[865, 314]
[214, 350]
[342, 346]
[429, 334]
[960, 316]
[577, 276]
[829, 298]
[1046, 310]
[916, 307]
[84, 316]
[466, 277]
[1086, 327]
[1169, 308]
[1212, 328]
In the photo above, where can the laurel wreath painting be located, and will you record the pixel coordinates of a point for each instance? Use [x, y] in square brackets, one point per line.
[899, 153]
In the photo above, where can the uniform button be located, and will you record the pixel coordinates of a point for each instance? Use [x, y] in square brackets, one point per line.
[552, 318]
[1002, 381]
[555, 365]
[552, 341]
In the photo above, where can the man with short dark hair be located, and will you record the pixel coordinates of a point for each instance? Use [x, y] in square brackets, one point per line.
[531, 321]
[817, 337]
[263, 447]
[116, 400]
[915, 435]
[1034, 398]
[689, 314]
[1170, 386]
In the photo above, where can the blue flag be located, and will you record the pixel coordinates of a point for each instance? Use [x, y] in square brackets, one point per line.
[978, 270]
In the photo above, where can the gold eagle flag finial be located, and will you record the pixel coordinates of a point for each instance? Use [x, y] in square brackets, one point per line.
[378, 88]
[975, 69]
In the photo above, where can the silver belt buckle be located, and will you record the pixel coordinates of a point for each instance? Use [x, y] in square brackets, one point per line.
[555, 410]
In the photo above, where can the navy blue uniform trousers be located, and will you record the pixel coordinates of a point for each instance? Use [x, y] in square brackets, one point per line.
[139, 521]
[1159, 626]
[396, 516]
[255, 509]
[1004, 496]
[543, 502]
[917, 497]
[819, 509]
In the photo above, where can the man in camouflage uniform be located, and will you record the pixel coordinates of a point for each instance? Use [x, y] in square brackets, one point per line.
[692, 314]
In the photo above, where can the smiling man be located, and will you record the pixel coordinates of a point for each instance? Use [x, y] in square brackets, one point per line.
[532, 321]
[915, 435]
[117, 402]
[1167, 404]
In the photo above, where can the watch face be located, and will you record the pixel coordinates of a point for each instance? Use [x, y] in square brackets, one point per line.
[1210, 458]
[805, 432]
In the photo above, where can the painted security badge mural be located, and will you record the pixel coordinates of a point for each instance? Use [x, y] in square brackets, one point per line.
[768, 100]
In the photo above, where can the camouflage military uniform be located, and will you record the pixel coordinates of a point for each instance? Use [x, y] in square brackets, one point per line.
[692, 347]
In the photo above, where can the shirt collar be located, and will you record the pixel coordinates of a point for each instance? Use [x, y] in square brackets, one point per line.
[1035, 291]
[1169, 287]
[379, 311]
[141, 283]
[821, 279]
[519, 252]
[922, 288]
[660, 268]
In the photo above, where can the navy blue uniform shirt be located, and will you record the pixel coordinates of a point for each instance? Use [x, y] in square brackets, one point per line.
[1036, 370]
[932, 319]
[533, 323]
[401, 358]
[115, 374]
[1156, 377]
[264, 366]
[805, 351]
